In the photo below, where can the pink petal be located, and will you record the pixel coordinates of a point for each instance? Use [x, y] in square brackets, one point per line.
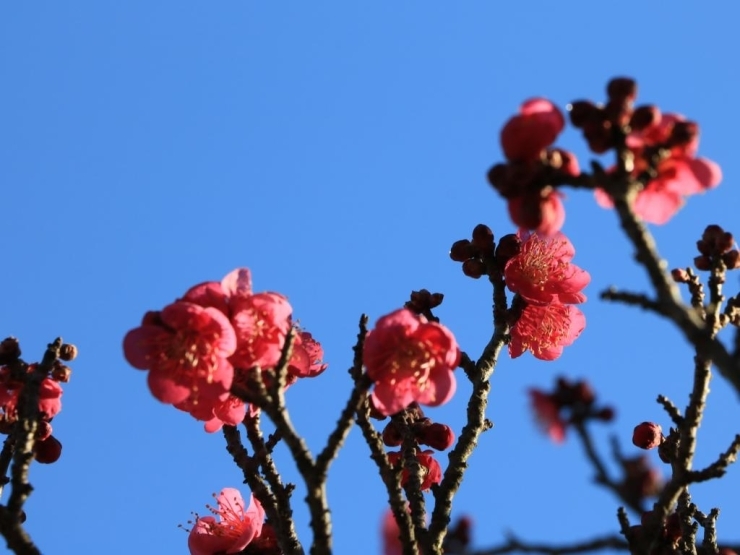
[238, 283]
[165, 389]
[707, 172]
[440, 389]
[139, 343]
[390, 399]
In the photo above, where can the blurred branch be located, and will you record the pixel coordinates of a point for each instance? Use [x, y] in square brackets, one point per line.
[515, 545]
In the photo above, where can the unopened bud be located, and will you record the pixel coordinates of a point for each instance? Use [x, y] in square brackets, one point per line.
[647, 435]
[644, 116]
[48, 450]
[61, 373]
[582, 111]
[462, 250]
[483, 239]
[68, 352]
[437, 436]
[392, 436]
[732, 259]
[473, 268]
[43, 430]
[680, 275]
[10, 350]
[508, 247]
[621, 89]
[703, 263]
[606, 414]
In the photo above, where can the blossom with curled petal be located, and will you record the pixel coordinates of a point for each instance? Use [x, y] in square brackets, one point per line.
[237, 525]
[542, 271]
[410, 359]
[185, 348]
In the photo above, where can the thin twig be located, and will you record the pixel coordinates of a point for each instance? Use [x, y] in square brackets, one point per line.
[347, 418]
[476, 424]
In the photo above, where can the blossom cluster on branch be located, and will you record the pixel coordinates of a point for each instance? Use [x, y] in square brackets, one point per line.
[226, 355]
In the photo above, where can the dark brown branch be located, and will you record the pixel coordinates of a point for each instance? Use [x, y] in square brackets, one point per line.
[256, 483]
[391, 478]
[285, 524]
[633, 299]
[476, 424]
[347, 418]
[718, 468]
[602, 475]
[671, 409]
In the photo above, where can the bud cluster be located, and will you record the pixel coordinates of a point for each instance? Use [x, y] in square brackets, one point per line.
[717, 244]
[15, 374]
[412, 425]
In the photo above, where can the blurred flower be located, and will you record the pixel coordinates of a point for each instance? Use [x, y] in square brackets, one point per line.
[526, 135]
[679, 173]
[547, 411]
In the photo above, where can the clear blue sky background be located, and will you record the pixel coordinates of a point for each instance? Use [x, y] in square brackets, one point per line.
[337, 149]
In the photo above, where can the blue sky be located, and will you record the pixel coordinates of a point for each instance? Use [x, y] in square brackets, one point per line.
[337, 149]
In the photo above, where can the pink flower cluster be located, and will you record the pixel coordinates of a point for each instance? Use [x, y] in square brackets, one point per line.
[679, 173]
[527, 179]
[410, 359]
[211, 338]
[664, 147]
[232, 528]
[548, 286]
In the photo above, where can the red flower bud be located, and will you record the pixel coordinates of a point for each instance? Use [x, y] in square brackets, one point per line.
[462, 250]
[703, 263]
[473, 268]
[68, 352]
[48, 450]
[437, 436]
[647, 435]
[643, 117]
[732, 259]
[483, 239]
[392, 436]
[621, 89]
[583, 111]
[680, 275]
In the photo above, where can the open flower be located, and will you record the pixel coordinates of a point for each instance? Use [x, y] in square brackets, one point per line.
[410, 359]
[237, 525]
[545, 330]
[185, 348]
[542, 271]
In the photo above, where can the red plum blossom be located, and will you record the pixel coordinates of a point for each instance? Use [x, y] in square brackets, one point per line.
[410, 359]
[185, 348]
[237, 525]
